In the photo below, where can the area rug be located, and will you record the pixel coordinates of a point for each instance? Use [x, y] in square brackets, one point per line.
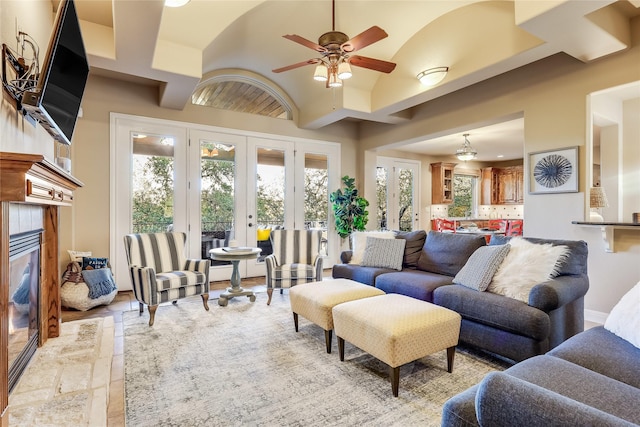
[67, 380]
[244, 364]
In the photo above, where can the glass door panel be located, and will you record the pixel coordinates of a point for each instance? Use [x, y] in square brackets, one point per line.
[316, 196]
[382, 179]
[216, 201]
[270, 195]
[152, 183]
[396, 190]
[407, 219]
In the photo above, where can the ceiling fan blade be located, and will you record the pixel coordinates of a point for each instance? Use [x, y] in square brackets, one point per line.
[298, 65]
[364, 39]
[304, 42]
[372, 64]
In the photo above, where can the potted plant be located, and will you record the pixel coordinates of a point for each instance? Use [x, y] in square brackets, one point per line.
[349, 209]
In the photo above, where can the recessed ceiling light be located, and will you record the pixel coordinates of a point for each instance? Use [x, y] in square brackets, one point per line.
[175, 3]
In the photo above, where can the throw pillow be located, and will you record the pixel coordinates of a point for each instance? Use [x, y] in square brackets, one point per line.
[76, 256]
[413, 248]
[447, 253]
[526, 265]
[624, 319]
[481, 266]
[359, 243]
[89, 263]
[99, 281]
[384, 253]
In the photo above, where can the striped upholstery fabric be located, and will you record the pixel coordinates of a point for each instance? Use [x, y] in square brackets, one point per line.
[160, 271]
[295, 258]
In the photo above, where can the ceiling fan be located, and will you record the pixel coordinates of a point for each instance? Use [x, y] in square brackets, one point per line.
[335, 47]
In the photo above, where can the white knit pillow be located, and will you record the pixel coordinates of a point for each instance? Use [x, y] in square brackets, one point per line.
[526, 265]
[384, 253]
[359, 242]
[624, 319]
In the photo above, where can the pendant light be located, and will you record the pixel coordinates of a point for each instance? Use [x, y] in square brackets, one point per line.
[466, 152]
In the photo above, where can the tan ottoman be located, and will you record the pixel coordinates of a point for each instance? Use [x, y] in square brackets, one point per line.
[397, 329]
[314, 301]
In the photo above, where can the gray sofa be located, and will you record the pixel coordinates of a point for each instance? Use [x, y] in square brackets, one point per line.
[591, 379]
[491, 322]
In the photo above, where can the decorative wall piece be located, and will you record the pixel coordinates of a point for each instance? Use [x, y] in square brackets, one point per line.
[553, 171]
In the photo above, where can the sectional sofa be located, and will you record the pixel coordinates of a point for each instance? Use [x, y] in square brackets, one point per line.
[591, 379]
[495, 323]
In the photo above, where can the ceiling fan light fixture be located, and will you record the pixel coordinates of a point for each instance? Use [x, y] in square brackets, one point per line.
[432, 76]
[321, 73]
[175, 3]
[466, 152]
[334, 81]
[344, 71]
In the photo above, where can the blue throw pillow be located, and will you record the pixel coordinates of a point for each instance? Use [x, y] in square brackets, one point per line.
[100, 282]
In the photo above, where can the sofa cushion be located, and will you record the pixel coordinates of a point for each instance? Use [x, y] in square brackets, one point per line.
[526, 265]
[413, 283]
[601, 351]
[494, 310]
[447, 253]
[413, 248]
[580, 384]
[358, 273]
[385, 253]
[481, 266]
[624, 319]
[575, 263]
[359, 243]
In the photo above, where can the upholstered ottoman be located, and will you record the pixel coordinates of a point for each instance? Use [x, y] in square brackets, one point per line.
[315, 300]
[397, 329]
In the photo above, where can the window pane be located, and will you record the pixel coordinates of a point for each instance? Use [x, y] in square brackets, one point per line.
[316, 195]
[217, 192]
[152, 183]
[464, 199]
[405, 213]
[382, 175]
[270, 190]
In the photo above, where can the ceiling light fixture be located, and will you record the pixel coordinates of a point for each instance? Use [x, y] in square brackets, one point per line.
[466, 152]
[175, 3]
[321, 74]
[433, 76]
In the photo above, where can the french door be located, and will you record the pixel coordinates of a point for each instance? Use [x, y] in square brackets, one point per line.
[397, 187]
[221, 188]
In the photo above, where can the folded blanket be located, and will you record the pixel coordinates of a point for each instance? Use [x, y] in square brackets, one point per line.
[100, 282]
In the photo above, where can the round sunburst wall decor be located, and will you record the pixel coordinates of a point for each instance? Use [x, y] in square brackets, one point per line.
[552, 171]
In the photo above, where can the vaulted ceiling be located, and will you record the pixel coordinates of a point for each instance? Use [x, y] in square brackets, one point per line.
[182, 50]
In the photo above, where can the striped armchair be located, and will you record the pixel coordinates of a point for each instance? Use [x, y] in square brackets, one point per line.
[160, 271]
[295, 259]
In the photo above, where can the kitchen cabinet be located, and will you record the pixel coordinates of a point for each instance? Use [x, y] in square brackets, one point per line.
[442, 183]
[502, 186]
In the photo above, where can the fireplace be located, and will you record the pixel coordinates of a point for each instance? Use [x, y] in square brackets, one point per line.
[24, 297]
[32, 190]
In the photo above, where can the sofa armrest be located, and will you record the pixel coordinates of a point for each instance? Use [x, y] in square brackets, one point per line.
[345, 256]
[504, 400]
[557, 292]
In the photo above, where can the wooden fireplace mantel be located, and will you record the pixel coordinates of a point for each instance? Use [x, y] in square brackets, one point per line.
[32, 179]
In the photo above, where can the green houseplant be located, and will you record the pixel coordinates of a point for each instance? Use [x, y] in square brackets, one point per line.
[349, 209]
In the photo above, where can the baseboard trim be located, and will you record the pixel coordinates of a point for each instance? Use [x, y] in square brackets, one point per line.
[595, 316]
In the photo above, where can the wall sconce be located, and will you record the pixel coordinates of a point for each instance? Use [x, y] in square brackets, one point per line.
[209, 152]
[433, 76]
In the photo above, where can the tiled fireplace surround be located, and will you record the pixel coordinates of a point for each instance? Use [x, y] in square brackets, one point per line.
[31, 192]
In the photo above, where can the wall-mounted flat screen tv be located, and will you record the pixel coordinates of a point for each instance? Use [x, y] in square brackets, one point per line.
[56, 99]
